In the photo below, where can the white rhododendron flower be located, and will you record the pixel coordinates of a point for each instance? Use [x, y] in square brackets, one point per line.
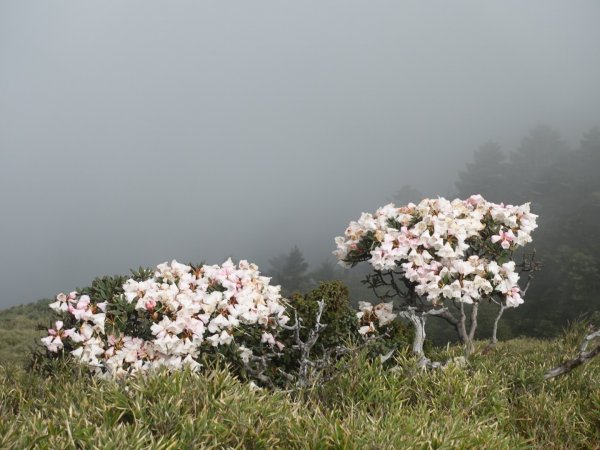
[53, 341]
[369, 314]
[63, 301]
[245, 353]
[384, 314]
[187, 310]
[446, 249]
[366, 329]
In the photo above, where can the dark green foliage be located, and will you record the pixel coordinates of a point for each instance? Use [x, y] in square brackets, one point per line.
[339, 316]
[340, 331]
[106, 288]
[362, 252]
[342, 323]
[397, 337]
[122, 317]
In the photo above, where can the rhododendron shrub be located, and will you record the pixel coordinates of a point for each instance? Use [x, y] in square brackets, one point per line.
[170, 319]
[435, 253]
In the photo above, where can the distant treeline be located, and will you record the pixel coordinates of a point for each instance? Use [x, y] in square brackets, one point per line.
[563, 186]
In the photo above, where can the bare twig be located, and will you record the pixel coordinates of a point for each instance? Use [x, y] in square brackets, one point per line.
[305, 347]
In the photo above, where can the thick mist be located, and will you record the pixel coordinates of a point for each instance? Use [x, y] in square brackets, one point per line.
[137, 132]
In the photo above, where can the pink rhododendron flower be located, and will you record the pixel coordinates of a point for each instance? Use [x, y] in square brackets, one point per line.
[53, 341]
[432, 244]
[505, 238]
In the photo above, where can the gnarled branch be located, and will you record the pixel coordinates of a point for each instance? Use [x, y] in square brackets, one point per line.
[583, 357]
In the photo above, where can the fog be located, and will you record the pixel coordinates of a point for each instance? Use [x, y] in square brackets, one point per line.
[136, 132]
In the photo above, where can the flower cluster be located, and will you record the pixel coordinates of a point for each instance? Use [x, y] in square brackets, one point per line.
[187, 309]
[444, 249]
[369, 315]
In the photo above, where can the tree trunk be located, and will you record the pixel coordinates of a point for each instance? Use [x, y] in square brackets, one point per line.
[418, 322]
[494, 340]
[495, 329]
[462, 325]
[448, 317]
[472, 328]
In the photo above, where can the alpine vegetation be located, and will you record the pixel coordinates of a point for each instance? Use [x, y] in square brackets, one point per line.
[436, 253]
[168, 319]
[183, 316]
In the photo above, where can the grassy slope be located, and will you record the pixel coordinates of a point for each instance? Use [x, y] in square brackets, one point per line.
[18, 334]
[499, 401]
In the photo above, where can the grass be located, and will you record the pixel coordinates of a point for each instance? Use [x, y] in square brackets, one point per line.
[18, 330]
[498, 401]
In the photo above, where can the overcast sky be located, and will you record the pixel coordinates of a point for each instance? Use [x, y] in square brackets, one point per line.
[134, 132]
